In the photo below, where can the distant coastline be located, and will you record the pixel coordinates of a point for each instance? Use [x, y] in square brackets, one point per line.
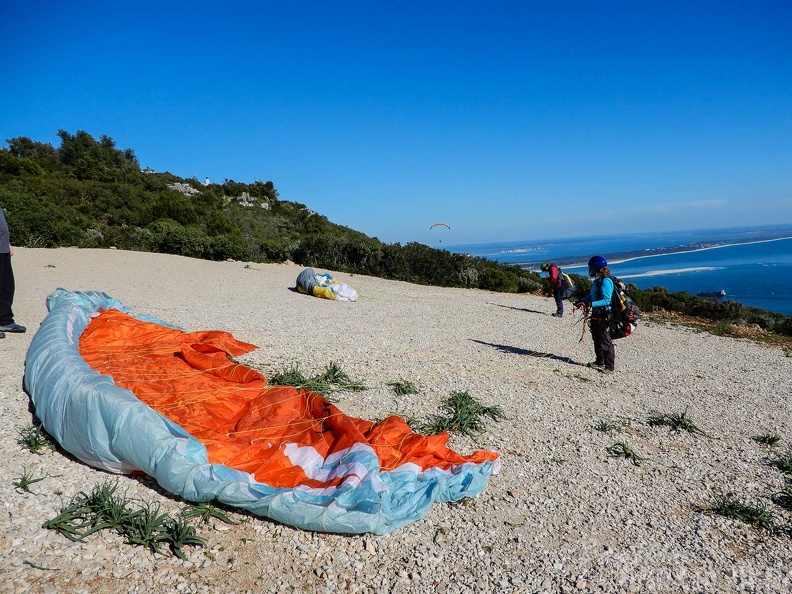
[664, 272]
[675, 250]
[756, 270]
[575, 251]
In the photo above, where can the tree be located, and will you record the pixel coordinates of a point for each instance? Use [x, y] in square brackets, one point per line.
[88, 159]
[41, 153]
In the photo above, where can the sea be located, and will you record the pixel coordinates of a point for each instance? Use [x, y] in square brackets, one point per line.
[752, 265]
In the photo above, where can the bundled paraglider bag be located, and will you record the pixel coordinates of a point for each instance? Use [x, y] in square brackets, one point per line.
[323, 285]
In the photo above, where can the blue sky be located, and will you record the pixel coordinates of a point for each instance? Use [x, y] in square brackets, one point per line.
[506, 120]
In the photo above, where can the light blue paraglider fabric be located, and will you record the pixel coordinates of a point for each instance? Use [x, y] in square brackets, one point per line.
[108, 427]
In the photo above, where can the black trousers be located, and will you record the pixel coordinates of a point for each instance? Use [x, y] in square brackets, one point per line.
[6, 290]
[604, 351]
[559, 301]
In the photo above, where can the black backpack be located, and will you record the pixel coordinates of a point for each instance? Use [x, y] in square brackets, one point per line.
[624, 313]
[568, 287]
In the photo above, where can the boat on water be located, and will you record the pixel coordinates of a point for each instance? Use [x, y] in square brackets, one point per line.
[721, 293]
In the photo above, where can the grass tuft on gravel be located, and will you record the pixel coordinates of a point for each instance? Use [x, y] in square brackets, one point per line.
[606, 426]
[23, 482]
[768, 439]
[621, 449]
[334, 378]
[675, 421]
[463, 414]
[403, 387]
[783, 498]
[205, 511]
[782, 462]
[144, 524]
[729, 507]
[34, 439]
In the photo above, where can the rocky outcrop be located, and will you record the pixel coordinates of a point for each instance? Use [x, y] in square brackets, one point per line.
[185, 189]
[245, 199]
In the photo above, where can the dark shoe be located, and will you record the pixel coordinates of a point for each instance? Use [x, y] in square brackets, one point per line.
[606, 371]
[595, 365]
[2, 334]
[13, 327]
[557, 315]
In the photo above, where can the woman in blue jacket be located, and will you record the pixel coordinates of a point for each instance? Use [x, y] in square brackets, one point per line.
[599, 298]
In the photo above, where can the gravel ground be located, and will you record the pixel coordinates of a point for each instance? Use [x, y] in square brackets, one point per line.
[562, 515]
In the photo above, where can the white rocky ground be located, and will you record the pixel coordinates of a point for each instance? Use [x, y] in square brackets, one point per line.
[562, 516]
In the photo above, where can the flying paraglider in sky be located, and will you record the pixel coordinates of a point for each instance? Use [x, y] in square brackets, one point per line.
[440, 225]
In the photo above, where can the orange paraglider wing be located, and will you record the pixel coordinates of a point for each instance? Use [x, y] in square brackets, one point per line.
[127, 393]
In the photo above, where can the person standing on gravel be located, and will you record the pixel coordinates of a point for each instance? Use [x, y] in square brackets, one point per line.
[554, 280]
[7, 286]
[599, 299]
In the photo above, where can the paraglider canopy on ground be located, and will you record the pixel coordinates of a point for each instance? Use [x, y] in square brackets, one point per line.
[127, 393]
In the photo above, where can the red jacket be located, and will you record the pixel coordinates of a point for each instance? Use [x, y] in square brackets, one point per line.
[554, 280]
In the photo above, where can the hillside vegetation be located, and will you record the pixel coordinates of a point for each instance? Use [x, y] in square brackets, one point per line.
[88, 193]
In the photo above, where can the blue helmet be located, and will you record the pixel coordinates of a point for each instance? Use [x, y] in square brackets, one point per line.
[596, 264]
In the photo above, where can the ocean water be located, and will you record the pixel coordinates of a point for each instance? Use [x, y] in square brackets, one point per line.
[752, 265]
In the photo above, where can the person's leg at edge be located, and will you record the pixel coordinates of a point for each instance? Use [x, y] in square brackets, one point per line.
[6, 290]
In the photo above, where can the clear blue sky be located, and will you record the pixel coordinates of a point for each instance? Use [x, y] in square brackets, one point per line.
[506, 120]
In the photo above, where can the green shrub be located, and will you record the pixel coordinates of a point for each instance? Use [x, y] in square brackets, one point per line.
[13, 165]
[31, 223]
[223, 247]
[276, 250]
[173, 238]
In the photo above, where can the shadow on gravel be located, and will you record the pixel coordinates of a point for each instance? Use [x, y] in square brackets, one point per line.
[519, 308]
[528, 352]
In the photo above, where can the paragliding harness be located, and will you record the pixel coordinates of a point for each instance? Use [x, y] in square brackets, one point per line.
[623, 315]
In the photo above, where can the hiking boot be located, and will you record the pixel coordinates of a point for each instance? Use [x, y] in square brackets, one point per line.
[595, 365]
[13, 327]
[2, 334]
[606, 371]
[557, 315]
